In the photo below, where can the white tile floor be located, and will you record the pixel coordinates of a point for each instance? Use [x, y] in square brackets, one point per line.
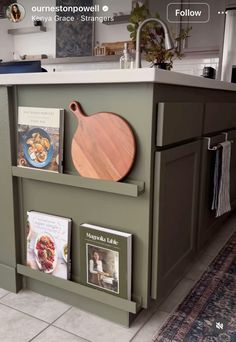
[28, 316]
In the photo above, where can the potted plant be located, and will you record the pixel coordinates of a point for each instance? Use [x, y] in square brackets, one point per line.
[152, 38]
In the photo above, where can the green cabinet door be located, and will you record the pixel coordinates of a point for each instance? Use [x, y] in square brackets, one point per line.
[175, 213]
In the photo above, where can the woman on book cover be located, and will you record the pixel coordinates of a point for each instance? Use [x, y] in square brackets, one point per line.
[96, 269]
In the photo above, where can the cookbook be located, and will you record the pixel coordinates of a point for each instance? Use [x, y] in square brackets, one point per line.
[49, 243]
[40, 138]
[105, 259]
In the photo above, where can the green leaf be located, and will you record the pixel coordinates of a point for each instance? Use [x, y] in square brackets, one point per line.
[152, 36]
[130, 28]
[132, 35]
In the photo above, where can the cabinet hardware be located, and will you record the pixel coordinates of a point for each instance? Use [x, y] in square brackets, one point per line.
[214, 148]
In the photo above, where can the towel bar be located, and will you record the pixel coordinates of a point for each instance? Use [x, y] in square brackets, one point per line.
[226, 136]
[214, 148]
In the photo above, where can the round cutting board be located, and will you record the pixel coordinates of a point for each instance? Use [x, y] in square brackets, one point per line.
[103, 146]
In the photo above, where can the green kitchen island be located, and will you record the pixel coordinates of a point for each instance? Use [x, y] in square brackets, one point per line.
[164, 200]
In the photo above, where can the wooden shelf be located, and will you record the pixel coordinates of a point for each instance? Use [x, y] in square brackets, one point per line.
[131, 188]
[26, 30]
[118, 19]
[79, 289]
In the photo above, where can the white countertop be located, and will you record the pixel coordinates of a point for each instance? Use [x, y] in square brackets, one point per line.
[145, 75]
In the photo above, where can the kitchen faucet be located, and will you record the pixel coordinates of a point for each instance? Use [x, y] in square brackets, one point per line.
[169, 45]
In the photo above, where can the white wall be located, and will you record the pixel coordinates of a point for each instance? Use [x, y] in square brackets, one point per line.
[194, 66]
[35, 43]
[190, 66]
[6, 40]
[112, 33]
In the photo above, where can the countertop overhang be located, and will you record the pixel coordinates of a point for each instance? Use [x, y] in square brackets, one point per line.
[145, 75]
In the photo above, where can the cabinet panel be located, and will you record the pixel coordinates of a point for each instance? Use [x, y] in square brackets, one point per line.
[89, 205]
[160, 7]
[6, 202]
[174, 224]
[219, 116]
[230, 3]
[205, 36]
[178, 121]
[9, 237]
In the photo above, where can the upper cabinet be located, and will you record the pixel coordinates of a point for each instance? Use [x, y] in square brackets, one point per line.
[230, 3]
[207, 34]
[160, 7]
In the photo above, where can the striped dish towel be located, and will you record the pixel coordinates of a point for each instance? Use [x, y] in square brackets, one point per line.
[224, 190]
[216, 179]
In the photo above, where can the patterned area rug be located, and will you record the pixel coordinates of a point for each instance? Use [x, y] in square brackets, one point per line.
[208, 313]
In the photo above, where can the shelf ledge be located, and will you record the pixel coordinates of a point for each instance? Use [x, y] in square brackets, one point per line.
[131, 188]
[118, 19]
[26, 30]
[85, 291]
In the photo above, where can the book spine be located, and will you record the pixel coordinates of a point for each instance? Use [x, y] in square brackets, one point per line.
[69, 251]
[61, 142]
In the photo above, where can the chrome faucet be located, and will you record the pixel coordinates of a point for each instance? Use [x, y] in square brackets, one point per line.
[169, 44]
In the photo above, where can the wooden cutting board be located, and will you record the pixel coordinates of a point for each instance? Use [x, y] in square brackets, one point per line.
[103, 146]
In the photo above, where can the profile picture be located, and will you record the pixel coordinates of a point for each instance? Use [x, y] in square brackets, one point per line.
[103, 268]
[15, 12]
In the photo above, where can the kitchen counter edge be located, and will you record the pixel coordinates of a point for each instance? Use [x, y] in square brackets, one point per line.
[145, 75]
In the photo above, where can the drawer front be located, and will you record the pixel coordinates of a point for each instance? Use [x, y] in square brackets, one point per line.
[219, 116]
[178, 122]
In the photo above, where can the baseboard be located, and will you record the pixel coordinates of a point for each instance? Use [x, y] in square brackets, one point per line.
[9, 279]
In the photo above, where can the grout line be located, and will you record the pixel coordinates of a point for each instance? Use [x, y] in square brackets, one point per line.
[194, 283]
[61, 315]
[179, 302]
[54, 326]
[4, 296]
[84, 339]
[51, 325]
[138, 331]
[143, 326]
[25, 313]
[43, 321]
[32, 339]
[155, 308]
[38, 334]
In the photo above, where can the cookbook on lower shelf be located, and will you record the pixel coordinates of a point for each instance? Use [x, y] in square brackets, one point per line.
[105, 259]
[40, 138]
[49, 243]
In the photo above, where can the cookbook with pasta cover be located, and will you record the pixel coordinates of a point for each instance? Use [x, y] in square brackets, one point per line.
[49, 243]
[105, 259]
[40, 138]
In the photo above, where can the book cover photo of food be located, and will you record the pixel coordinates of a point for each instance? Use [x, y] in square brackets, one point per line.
[105, 259]
[40, 138]
[49, 244]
